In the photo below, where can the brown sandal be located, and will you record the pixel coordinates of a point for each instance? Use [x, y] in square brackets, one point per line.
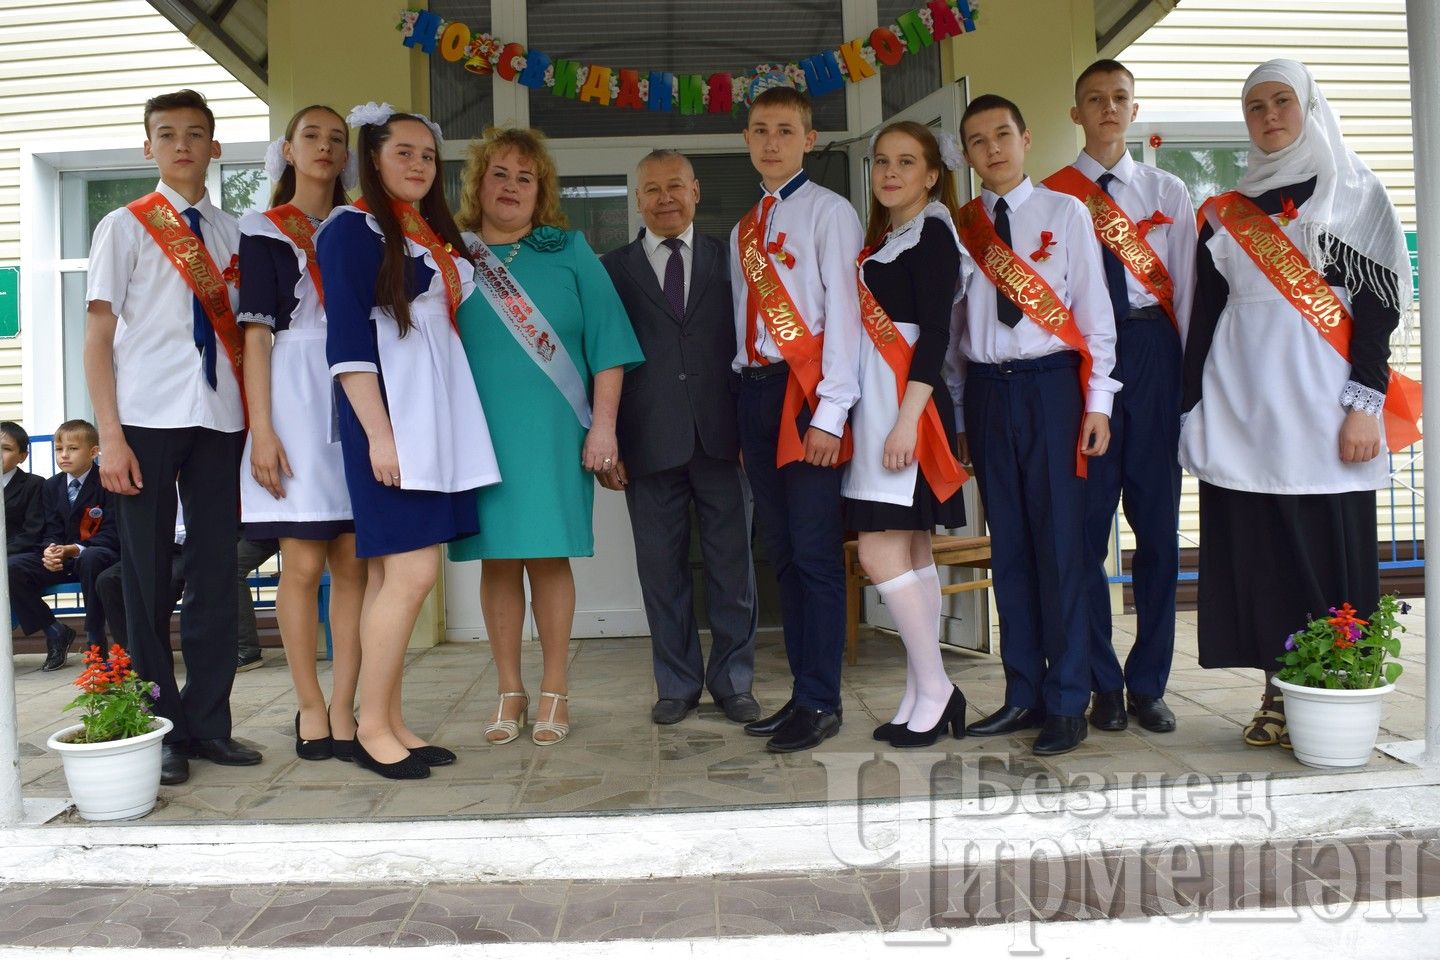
[1267, 727]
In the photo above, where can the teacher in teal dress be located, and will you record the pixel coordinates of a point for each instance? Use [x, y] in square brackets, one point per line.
[548, 342]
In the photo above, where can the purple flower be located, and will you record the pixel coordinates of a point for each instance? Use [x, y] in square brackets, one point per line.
[1404, 607]
[1290, 642]
[1354, 632]
[154, 691]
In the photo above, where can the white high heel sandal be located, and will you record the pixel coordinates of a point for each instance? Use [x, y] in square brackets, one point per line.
[511, 728]
[561, 730]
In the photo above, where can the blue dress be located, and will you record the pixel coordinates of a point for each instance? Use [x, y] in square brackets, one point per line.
[441, 435]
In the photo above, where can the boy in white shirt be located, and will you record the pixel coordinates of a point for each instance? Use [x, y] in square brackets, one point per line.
[1026, 420]
[168, 404]
[798, 337]
[1146, 227]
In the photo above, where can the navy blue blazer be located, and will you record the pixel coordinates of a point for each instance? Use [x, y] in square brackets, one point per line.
[62, 521]
[23, 517]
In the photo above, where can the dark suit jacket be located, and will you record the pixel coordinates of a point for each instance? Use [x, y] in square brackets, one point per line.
[685, 388]
[23, 517]
[62, 522]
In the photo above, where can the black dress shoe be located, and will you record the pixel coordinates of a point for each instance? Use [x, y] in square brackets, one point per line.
[667, 710]
[407, 769]
[322, 748]
[1107, 711]
[1007, 720]
[57, 647]
[1152, 713]
[174, 767]
[433, 756]
[953, 717]
[805, 730]
[224, 751]
[1059, 735]
[768, 726]
[740, 708]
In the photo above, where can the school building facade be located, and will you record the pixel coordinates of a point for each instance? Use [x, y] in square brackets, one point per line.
[74, 75]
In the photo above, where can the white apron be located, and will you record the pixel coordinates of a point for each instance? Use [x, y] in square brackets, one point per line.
[873, 415]
[1270, 415]
[300, 409]
[441, 435]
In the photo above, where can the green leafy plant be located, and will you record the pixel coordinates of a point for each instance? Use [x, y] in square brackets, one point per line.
[1343, 652]
[116, 702]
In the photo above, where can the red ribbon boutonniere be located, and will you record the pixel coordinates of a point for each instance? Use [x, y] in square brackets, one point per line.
[1047, 240]
[1156, 219]
[1288, 212]
[778, 251]
[231, 274]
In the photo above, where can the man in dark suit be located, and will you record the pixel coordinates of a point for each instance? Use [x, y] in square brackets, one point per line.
[79, 539]
[22, 491]
[679, 445]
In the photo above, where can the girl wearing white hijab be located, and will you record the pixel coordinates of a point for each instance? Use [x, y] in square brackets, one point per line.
[1285, 433]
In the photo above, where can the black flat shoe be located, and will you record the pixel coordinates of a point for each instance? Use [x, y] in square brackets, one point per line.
[953, 716]
[767, 726]
[805, 730]
[224, 751]
[433, 756]
[322, 748]
[740, 708]
[1152, 713]
[671, 710]
[407, 769]
[1107, 711]
[1006, 720]
[174, 765]
[343, 749]
[57, 648]
[1059, 735]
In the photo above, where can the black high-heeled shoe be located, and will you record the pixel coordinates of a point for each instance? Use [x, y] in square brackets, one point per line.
[407, 769]
[953, 717]
[322, 748]
[886, 730]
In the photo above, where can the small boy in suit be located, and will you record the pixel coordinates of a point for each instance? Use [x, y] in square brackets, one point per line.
[79, 541]
[22, 491]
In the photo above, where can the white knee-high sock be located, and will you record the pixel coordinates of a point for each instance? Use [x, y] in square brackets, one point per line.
[931, 578]
[908, 598]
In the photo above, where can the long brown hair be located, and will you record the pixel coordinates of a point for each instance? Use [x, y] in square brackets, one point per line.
[944, 189]
[530, 144]
[285, 188]
[390, 282]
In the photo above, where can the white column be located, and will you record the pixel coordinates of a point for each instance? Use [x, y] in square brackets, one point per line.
[11, 809]
[1423, 26]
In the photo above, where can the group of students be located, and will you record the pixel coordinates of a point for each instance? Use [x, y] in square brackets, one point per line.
[310, 364]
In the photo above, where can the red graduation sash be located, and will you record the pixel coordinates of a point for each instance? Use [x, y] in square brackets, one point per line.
[1013, 277]
[297, 228]
[187, 254]
[802, 350]
[1305, 289]
[932, 441]
[1120, 235]
[416, 229]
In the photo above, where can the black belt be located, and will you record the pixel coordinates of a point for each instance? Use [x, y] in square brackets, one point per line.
[765, 371]
[1051, 361]
[1154, 312]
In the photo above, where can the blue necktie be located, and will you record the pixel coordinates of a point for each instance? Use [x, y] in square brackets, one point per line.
[204, 333]
[675, 277]
[1114, 269]
[74, 490]
[1005, 309]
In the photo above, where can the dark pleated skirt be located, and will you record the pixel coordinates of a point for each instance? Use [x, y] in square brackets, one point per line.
[924, 513]
[1271, 562]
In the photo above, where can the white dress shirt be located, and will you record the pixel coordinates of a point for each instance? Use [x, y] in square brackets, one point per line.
[659, 255]
[1140, 189]
[1073, 270]
[159, 375]
[823, 234]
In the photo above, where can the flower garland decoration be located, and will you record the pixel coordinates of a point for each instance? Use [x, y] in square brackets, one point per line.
[860, 59]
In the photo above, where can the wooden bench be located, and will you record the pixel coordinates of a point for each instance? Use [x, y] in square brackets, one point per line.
[949, 552]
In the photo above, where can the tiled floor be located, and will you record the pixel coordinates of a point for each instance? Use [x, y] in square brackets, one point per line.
[1390, 871]
[617, 760]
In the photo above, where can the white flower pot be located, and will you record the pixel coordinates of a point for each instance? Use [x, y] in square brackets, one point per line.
[118, 780]
[1333, 728]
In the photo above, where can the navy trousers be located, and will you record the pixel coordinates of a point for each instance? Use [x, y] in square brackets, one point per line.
[798, 507]
[1142, 471]
[1022, 421]
[28, 577]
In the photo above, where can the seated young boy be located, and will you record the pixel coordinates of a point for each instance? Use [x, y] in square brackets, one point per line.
[77, 541]
[1036, 313]
[22, 491]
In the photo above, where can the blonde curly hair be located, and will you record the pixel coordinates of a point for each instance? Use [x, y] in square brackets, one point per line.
[530, 144]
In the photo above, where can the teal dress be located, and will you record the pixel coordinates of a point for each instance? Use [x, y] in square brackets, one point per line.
[543, 504]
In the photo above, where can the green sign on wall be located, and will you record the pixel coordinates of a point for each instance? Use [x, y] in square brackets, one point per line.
[9, 301]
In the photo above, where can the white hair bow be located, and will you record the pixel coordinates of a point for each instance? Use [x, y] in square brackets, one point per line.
[275, 164]
[375, 114]
[950, 153]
